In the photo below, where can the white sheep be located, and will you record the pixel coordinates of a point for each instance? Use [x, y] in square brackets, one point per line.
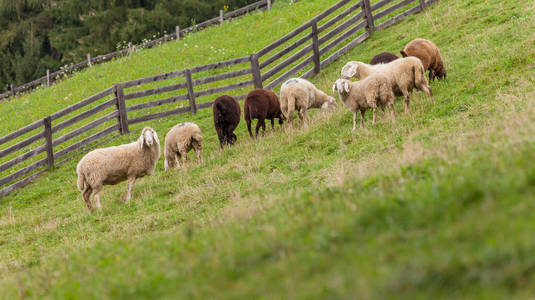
[109, 166]
[299, 94]
[404, 74]
[179, 141]
[373, 91]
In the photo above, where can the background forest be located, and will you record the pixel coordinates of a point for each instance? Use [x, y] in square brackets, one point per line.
[36, 35]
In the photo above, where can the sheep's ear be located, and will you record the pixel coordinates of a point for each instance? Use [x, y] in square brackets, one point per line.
[141, 141]
[155, 137]
[403, 53]
[346, 86]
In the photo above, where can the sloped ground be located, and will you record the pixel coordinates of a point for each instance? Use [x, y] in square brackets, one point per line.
[438, 205]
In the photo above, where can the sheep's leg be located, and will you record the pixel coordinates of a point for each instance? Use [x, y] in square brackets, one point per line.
[87, 194]
[184, 157]
[354, 120]
[273, 124]
[198, 150]
[97, 197]
[362, 118]
[407, 101]
[391, 107]
[302, 116]
[374, 115]
[129, 187]
[431, 75]
[249, 128]
[177, 160]
[427, 89]
[258, 124]
[263, 127]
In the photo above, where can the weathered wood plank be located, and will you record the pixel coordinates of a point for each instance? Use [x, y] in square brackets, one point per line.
[301, 28]
[289, 73]
[156, 103]
[380, 4]
[84, 128]
[21, 144]
[245, 9]
[48, 139]
[86, 141]
[121, 109]
[83, 115]
[221, 64]
[342, 27]
[341, 38]
[191, 94]
[286, 62]
[398, 17]
[255, 71]
[391, 9]
[150, 79]
[23, 171]
[240, 97]
[20, 183]
[285, 51]
[149, 92]
[223, 88]
[339, 17]
[315, 48]
[159, 115]
[368, 16]
[82, 103]
[22, 158]
[222, 76]
[205, 105]
[345, 49]
[21, 131]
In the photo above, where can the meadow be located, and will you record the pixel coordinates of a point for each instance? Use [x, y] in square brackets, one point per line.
[438, 205]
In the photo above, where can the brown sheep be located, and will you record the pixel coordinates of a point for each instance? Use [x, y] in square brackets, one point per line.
[429, 54]
[383, 58]
[226, 118]
[261, 104]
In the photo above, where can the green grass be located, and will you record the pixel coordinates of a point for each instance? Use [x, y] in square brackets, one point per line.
[438, 205]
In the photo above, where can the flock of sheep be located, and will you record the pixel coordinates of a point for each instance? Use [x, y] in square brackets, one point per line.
[379, 82]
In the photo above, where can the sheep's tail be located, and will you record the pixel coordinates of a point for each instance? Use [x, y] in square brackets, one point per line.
[81, 181]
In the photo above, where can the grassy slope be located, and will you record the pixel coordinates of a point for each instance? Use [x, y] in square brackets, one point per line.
[438, 205]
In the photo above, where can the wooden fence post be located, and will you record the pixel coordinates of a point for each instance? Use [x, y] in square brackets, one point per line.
[255, 70]
[269, 5]
[47, 77]
[315, 47]
[121, 109]
[366, 7]
[221, 17]
[422, 5]
[191, 94]
[177, 31]
[49, 146]
[89, 64]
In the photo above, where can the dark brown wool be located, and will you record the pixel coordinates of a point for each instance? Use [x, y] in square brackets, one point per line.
[261, 104]
[383, 58]
[226, 118]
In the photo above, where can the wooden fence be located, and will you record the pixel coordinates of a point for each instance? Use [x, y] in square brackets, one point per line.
[49, 78]
[309, 48]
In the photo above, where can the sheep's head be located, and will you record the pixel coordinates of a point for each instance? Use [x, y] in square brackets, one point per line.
[341, 86]
[330, 103]
[148, 137]
[349, 70]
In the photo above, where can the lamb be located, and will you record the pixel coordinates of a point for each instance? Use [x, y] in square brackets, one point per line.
[300, 94]
[429, 54]
[383, 58]
[261, 104]
[226, 118]
[368, 93]
[179, 141]
[404, 74]
[109, 166]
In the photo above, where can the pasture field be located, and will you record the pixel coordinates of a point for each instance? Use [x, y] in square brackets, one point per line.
[439, 205]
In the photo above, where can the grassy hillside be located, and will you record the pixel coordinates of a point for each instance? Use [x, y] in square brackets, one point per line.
[438, 205]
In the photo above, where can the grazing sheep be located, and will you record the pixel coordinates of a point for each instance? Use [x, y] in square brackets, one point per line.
[368, 93]
[429, 54]
[261, 104]
[109, 166]
[226, 118]
[179, 141]
[300, 94]
[383, 58]
[404, 74]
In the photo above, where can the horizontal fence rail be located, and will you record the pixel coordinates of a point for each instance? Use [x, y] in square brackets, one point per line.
[307, 49]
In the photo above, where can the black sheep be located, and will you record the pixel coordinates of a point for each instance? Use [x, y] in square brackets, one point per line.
[226, 118]
[261, 104]
[383, 58]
